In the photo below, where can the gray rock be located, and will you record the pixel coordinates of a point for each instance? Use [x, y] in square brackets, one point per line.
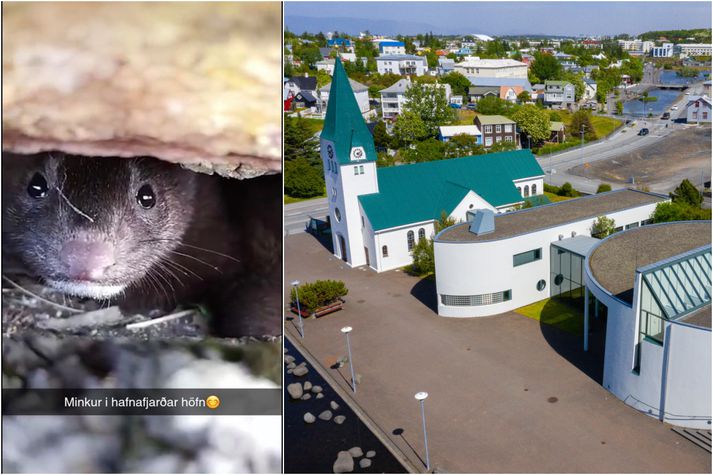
[289, 371]
[295, 390]
[289, 359]
[307, 385]
[333, 405]
[291, 365]
[300, 371]
[344, 463]
[316, 389]
[306, 396]
[356, 452]
[319, 396]
[365, 463]
[309, 418]
[325, 415]
[339, 419]
[371, 453]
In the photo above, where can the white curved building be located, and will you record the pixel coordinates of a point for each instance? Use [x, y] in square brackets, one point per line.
[487, 273]
[655, 283]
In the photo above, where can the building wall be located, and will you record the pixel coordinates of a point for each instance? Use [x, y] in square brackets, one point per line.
[493, 135]
[401, 67]
[687, 350]
[457, 264]
[539, 184]
[481, 72]
[397, 242]
[702, 113]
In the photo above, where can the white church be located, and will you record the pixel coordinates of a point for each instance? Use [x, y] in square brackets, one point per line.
[377, 215]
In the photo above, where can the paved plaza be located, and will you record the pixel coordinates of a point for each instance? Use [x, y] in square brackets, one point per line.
[505, 393]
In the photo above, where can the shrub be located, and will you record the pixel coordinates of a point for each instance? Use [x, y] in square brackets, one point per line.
[567, 190]
[319, 293]
[604, 187]
[602, 227]
[551, 188]
[423, 261]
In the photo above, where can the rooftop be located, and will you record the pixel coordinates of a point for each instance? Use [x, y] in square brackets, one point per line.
[355, 85]
[493, 119]
[699, 318]
[542, 217]
[491, 63]
[419, 192]
[399, 86]
[451, 130]
[400, 57]
[615, 261]
[487, 81]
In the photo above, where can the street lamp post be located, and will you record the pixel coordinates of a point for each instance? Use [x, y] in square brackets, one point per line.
[296, 284]
[421, 396]
[346, 331]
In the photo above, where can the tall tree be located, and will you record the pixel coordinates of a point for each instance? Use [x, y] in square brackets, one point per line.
[546, 67]
[463, 145]
[409, 128]
[300, 141]
[534, 122]
[687, 193]
[429, 103]
[581, 120]
[459, 83]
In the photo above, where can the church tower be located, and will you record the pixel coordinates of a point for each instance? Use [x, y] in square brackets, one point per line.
[349, 159]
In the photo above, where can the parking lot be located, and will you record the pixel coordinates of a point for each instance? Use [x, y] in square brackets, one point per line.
[505, 394]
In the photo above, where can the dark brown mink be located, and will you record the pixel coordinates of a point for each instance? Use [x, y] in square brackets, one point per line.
[149, 236]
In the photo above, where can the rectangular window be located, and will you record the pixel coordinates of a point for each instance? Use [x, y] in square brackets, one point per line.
[705, 115]
[508, 128]
[356, 170]
[498, 128]
[508, 138]
[488, 141]
[488, 129]
[361, 169]
[618, 228]
[526, 257]
[499, 138]
[632, 225]
[646, 222]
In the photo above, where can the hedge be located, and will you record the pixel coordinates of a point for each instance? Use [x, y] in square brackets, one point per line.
[319, 293]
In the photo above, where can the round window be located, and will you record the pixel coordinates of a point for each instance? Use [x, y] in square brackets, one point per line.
[471, 206]
[541, 285]
[559, 278]
[337, 214]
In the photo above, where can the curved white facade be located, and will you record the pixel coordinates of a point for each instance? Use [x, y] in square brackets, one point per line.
[483, 267]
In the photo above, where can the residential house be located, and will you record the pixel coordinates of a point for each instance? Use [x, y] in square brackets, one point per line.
[361, 94]
[326, 53]
[447, 132]
[527, 59]
[504, 88]
[445, 66]
[590, 90]
[393, 97]
[694, 49]
[698, 109]
[402, 64]
[345, 43]
[297, 84]
[388, 48]
[559, 93]
[492, 68]
[592, 44]
[496, 128]
[326, 65]
[707, 88]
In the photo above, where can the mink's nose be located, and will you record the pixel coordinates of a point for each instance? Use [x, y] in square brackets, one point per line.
[86, 260]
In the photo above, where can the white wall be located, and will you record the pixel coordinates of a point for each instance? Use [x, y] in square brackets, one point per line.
[539, 182]
[397, 242]
[483, 267]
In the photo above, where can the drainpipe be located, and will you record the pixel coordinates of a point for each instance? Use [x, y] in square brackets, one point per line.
[664, 371]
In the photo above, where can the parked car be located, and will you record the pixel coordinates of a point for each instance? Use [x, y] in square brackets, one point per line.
[666, 116]
[471, 106]
[644, 131]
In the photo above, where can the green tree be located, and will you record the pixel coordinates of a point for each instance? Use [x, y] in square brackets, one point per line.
[533, 122]
[502, 147]
[409, 128]
[524, 97]
[602, 227]
[619, 107]
[567, 190]
[303, 180]
[300, 141]
[491, 105]
[463, 145]
[323, 78]
[382, 139]
[546, 67]
[428, 150]
[459, 83]
[603, 188]
[424, 262]
[687, 193]
[430, 104]
[582, 120]
[679, 211]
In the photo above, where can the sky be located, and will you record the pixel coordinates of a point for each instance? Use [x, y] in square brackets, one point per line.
[570, 18]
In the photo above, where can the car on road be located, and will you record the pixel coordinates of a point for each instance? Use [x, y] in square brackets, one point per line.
[666, 116]
[674, 108]
[644, 131]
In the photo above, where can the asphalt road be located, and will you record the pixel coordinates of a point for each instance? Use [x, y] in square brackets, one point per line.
[555, 166]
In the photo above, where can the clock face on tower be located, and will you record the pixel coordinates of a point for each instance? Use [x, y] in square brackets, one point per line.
[358, 153]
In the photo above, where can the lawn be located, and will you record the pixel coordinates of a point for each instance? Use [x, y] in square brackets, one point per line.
[557, 313]
[465, 116]
[603, 126]
[555, 198]
[289, 199]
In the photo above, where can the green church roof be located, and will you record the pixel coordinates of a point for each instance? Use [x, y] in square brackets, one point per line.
[344, 125]
[421, 191]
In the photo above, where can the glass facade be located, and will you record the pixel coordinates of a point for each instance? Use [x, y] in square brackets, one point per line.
[526, 257]
[566, 277]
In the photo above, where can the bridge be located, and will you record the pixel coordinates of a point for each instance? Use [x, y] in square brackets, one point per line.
[680, 87]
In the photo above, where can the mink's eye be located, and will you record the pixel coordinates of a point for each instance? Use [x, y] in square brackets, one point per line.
[37, 188]
[146, 197]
